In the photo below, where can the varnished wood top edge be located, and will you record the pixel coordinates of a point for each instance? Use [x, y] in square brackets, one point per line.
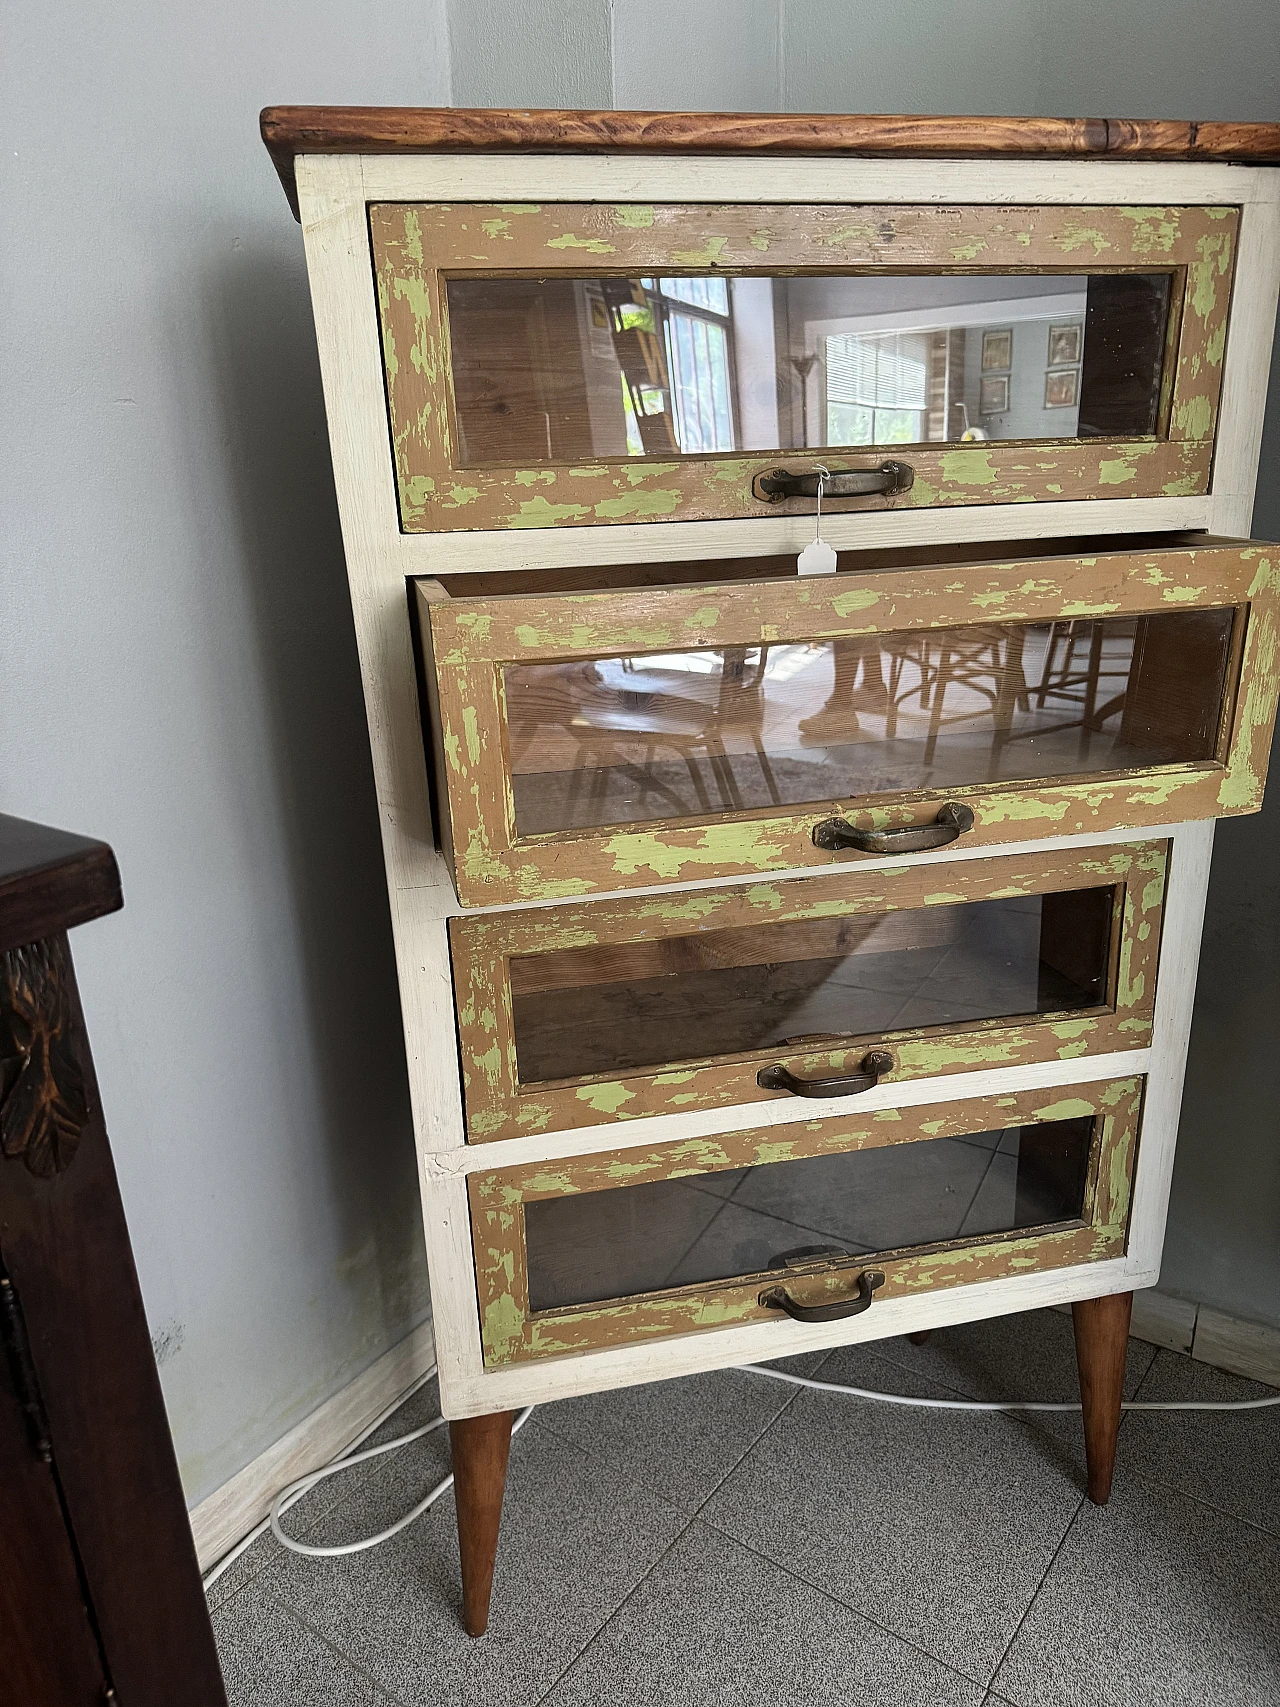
[290, 131]
[51, 880]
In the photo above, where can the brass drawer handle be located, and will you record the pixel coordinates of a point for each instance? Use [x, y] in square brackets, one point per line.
[874, 1067]
[778, 1298]
[834, 835]
[780, 483]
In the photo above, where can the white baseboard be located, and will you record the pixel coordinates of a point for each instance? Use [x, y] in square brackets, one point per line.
[231, 1511]
[1210, 1336]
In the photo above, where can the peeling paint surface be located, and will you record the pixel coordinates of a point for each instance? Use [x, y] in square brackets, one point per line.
[412, 243]
[510, 1333]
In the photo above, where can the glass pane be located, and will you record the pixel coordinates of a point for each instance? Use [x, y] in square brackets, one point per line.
[627, 1006]
[571, 369]
[625, 740]
[708, 1227]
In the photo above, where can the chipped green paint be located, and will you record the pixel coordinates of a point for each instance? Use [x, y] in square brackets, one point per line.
[855, 599]
[534, 477]
[1155, 229]
[1083, 237]
[605, 1099]
[968, 468]
[707, 256]
[1070, 1108]
[539, 513]
[1193, 419]
[634, 217]
[571, 240]
[496, 227]
[968, 251]
[1118, 470]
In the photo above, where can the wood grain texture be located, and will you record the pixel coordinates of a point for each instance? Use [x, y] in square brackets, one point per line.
[1102, 1340]
[413, 244]
[483, 947]
[51, 880]
[511, 1332]
[289, 131]
[472, 639]
[480, 1447]
[44, 1102]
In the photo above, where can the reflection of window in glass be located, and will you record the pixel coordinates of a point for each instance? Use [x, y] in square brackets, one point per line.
[876, 388]
[697, 327]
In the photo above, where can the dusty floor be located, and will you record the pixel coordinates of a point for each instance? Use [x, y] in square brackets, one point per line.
[727, 1540]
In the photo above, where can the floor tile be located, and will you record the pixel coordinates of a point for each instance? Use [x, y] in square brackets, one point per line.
[715, 1625]
[937, 1525]
[576, 1538]
[1229, 1458]
[680, 1438]
[1026, 1356]
[1154, 1599]
[269, 1657]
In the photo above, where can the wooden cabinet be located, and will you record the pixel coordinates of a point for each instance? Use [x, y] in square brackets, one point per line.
[790, 960]
[617, 738]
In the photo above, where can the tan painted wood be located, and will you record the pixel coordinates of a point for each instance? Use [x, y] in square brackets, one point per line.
[511, 1331]
[473, 640]
[491, 953]
[414, 245]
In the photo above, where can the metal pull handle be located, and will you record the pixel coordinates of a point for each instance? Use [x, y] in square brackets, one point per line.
[778, 1298]
[837, 834]
[874, 1067]
[779, 483]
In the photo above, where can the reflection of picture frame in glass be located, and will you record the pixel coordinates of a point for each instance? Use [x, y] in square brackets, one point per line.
[1062, 388]
[993, 394]
[599, 324]
[1064, 345]
[997, 349]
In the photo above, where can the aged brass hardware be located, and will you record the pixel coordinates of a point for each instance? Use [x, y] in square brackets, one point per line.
[778, 1298]
[834, 835]
[874, 1067]
[779, 483]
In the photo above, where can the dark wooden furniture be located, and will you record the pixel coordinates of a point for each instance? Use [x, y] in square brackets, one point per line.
[100, 1595]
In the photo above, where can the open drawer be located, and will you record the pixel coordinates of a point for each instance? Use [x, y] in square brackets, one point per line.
[818, 987]
[589, 364]
[825, 1216]
[638, 735]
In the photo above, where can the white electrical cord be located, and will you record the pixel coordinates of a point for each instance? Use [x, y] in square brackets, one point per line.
[289, 1496]
[1003, 1404]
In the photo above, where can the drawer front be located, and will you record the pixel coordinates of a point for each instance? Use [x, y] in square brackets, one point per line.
[607, 740]
[572, 1016]
[586, 364]
[637, 1244]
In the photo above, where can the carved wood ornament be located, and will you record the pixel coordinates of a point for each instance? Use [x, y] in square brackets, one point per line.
[44, 1104]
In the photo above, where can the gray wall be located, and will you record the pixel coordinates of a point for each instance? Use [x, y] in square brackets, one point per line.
[177, 672]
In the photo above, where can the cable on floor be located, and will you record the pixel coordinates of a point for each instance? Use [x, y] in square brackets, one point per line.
[289, 1496]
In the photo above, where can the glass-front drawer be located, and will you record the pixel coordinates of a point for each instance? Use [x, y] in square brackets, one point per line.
[568, 365]
[815, 1221]
[642, 735]
[815, 988]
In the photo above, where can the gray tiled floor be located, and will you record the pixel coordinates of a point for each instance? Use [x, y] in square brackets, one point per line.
[725, 1541]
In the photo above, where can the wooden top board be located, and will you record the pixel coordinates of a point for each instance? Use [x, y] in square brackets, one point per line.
[51, 880]
[290, 131]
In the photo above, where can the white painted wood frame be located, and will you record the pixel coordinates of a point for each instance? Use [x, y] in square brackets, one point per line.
[334, 191]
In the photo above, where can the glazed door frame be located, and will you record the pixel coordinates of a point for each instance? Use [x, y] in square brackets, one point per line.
[512, 1332]
[469, 644]
[498, 1106]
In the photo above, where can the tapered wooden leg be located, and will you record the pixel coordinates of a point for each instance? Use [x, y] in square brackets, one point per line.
[1102, 1338]
[479, 1446]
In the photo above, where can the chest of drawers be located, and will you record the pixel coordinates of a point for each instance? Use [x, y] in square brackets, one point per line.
[791, 959]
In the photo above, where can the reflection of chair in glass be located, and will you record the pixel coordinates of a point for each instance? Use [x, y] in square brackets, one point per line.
[661, 709]
[837, 719]
[1064, 677]
[982, 661]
